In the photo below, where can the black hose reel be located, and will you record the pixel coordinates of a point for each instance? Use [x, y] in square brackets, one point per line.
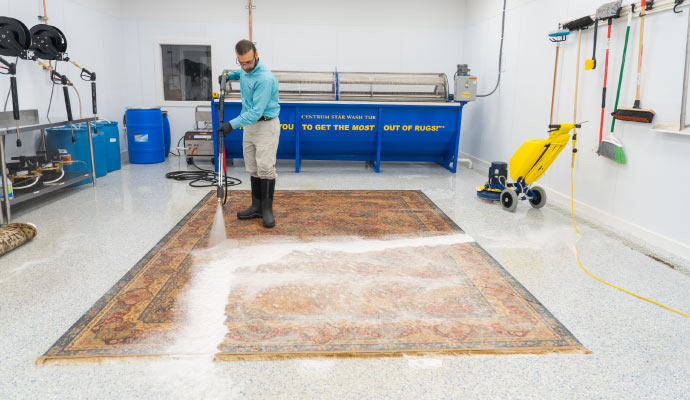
[15, 41]
[48, 42]
[15, 37]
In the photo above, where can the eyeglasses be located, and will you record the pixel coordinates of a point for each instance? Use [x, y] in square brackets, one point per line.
[245, 64]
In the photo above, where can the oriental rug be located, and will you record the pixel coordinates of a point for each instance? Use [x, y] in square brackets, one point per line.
[371, 273]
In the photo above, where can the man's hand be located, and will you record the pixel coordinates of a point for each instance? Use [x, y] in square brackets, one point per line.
[225, 128]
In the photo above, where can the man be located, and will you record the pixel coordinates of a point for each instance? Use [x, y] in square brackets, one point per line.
[259, 118]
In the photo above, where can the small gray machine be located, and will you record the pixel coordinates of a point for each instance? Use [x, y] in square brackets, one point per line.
[465, 84]
[199, 141]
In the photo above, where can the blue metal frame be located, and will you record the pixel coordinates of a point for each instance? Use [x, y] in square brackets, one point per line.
[370, 132]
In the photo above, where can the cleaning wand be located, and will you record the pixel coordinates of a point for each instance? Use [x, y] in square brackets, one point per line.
[222, 194]
[12, 70]
[89, 76]
[58, 78]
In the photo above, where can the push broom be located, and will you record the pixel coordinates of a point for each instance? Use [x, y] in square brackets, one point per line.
[636, 113]
[610, 147]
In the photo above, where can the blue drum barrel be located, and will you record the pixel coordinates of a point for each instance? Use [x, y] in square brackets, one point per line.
[145, 140]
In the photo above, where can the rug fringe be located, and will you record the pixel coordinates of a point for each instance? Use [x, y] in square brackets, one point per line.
[390, 354]
[71, 360]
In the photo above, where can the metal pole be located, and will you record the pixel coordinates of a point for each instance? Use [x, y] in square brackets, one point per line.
[43, 139]
[5, 189]
[684, 101]
[93, 164]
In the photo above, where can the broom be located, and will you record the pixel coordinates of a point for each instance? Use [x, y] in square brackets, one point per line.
[610, 147]
[636, 113]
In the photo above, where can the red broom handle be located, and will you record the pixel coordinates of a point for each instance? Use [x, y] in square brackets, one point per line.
[606, 74]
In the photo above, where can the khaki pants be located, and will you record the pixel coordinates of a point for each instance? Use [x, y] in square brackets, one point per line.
[259, 147]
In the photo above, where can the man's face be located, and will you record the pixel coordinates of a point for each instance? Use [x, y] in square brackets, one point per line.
[247, 61]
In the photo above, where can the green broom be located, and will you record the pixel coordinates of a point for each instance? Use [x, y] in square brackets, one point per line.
[610, 147]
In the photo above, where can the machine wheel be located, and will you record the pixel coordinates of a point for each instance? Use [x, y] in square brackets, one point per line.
[539, 198]
[509, 200]
[189, 160]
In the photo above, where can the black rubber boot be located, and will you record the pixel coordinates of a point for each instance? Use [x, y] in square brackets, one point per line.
[255, 210]
[267, 188]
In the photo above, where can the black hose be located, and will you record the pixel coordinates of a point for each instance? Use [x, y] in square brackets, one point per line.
[202, 178]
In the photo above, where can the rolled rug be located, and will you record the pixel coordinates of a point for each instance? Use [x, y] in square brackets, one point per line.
[14, 235]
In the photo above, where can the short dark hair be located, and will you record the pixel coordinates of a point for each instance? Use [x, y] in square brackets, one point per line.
[243, 46]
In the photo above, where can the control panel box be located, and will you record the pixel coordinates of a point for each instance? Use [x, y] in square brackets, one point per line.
[199, 142]
[465, 88]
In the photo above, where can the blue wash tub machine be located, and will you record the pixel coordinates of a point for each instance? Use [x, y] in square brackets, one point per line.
[373, 117]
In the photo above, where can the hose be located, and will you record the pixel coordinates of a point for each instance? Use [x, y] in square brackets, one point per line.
[79, 98]
[62, 175]
[202, 177]
[577, 255]
[500, 52]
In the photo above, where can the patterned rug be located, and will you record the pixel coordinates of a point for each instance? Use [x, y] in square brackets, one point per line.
[367, 273]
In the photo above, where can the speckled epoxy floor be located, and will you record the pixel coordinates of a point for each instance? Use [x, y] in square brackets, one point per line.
[88, 239]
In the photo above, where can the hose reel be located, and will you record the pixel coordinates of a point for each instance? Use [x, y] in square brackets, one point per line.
[48, 42]
[15, 37]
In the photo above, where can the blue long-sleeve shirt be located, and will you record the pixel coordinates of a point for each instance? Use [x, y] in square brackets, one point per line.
[259, 90]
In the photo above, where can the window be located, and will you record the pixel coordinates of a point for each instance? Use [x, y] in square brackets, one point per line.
[186, 72]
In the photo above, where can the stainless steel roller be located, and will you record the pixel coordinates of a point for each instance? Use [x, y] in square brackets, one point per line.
[356, 86]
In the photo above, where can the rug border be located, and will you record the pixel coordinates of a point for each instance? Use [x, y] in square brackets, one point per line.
[77, 327]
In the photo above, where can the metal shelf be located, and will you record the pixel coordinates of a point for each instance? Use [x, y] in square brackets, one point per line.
[70, 178]
[11, 130]
[29, 121]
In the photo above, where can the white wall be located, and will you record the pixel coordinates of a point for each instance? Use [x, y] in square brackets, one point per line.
[650, 191]
[384, 35]
[92, 41]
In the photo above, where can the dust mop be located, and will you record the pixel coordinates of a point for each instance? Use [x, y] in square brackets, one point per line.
[636, 113]
[610, 147]
[607, 11]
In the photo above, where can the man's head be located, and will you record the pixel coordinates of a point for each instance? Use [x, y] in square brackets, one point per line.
[247, 57]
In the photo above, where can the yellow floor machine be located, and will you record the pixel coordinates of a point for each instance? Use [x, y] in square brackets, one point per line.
[527, 165]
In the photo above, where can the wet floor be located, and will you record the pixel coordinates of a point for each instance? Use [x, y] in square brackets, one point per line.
[88, 239]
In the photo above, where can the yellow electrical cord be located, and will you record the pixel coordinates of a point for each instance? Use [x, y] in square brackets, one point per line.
[577, 255]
